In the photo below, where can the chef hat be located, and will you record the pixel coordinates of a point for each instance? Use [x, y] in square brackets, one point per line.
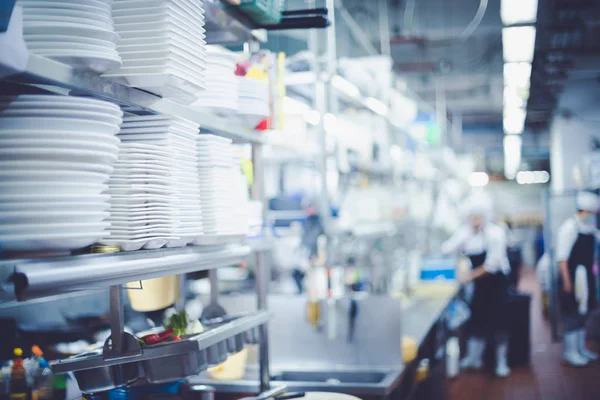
[478, 205]
[587, 201]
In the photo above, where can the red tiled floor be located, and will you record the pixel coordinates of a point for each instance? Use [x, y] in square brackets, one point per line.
[545, 379]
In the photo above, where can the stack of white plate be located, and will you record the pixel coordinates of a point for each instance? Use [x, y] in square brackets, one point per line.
[253, 100]
[223, 191]
[56, 156]
[79, 33]
[155, 193]
[221, 94]
[162, 46]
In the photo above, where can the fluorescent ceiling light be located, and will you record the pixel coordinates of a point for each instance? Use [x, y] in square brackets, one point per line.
[514, 120]
[517, 74]
[532, 177]
[512, 155]
[518, 43]
[478, 179]
[518, 11]
[348, 88]
[292, 106]
[376, 106]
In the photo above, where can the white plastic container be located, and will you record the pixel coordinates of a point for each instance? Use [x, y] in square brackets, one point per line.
[452, 357]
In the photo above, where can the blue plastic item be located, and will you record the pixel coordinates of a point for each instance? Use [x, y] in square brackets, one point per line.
[438, 268]
[138, 392]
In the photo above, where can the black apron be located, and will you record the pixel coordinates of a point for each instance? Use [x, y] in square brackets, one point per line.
[489, 301]
[582, 253]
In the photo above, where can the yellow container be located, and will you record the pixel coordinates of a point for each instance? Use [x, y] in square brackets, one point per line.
[234, 368]
[409, 349]
[157, 294]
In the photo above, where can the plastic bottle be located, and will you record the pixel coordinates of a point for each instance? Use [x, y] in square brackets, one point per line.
[452, 357]
[44, 381]
[18, 379]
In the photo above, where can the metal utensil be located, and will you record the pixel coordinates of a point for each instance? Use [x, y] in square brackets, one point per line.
[214, 309]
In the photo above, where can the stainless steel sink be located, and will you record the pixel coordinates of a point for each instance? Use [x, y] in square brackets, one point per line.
[331, 377]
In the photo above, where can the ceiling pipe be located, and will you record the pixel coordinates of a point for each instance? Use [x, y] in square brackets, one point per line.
[355, 30]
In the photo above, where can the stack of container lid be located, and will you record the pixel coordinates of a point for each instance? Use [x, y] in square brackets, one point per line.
[155, 193]
[76, 33]
[162, 46]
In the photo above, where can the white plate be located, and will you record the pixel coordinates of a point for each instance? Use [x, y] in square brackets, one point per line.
[153, 242]
[69, 4]
[51, 241]
[48, 188]
[35, 165]
[98, 116]
[81, 15]
[56, 5]
[83, 137]
[57, 101]
[72, 40]
[98, 62]
[123, 8]
[58, 144]
[45, 206]
[53, 175]
[53, 198]
[51, 46]
[78, 156]
[31, 21]
[51, 217]
[68, 29]
[53, 124]
[65, 228]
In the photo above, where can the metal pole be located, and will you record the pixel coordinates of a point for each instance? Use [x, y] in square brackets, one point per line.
[116, 318]
[263, 270]
[441, 108]
[180, 303]
[547, 202]
[384, 29]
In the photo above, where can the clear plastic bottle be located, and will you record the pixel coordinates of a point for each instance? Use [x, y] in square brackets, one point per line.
[44, 381]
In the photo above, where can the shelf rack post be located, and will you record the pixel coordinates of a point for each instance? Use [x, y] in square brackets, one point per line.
[117, 319]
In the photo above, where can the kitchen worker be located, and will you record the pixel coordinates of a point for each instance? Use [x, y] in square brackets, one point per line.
[484, 243]
[575, 252]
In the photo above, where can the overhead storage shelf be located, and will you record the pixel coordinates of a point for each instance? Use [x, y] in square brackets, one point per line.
[43, 71]
[226, 29]
[50, 276]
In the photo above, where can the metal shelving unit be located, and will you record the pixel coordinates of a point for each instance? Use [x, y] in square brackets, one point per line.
[47, 277]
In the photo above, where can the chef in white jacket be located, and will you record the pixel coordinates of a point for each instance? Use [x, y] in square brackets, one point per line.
[575, 253]
[484, 243]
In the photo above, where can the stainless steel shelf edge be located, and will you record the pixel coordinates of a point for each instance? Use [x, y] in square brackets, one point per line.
[43, 71]
[95, 271]
[196, 343]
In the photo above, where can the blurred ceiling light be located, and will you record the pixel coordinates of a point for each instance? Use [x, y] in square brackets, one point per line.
[518, 43]
[512, 155]
[517, 74]
[312, 117]
[329, 123]
[532, 177]
[478, 179]
[518, 11]
[514, 120]
[376, 106]
[348, 88]
[512, 97]
[294, 107]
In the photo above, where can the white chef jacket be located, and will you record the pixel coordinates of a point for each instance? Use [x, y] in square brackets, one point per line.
[567, 236]
[491, 239]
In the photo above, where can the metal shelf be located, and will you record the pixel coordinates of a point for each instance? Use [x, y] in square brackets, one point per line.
[43, 71]
[202, 341]
[50, 276]
[226, 29]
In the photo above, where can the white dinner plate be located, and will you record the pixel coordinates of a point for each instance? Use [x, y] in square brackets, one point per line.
[55, 206]
[42, 229]
[81, 15]
[51, 241]
[69, 4]
[53, 175]
[70, 155]
[34, 40]
[51, 217]
[51, 46]
[58, 123]
[75, 101]
[31, 20]
[69, 29]
[48, 188]
[58, 144]
[82, 137]
[35, 165]
[98, 116]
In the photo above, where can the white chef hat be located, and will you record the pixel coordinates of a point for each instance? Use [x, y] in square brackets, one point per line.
[587, 201]
[478, 205]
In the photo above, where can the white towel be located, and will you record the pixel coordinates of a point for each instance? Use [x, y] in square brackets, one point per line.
[581, 289]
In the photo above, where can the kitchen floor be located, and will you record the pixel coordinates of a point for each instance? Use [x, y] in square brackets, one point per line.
[545, 379]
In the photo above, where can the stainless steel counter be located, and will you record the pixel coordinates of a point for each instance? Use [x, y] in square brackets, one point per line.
[337, 371]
